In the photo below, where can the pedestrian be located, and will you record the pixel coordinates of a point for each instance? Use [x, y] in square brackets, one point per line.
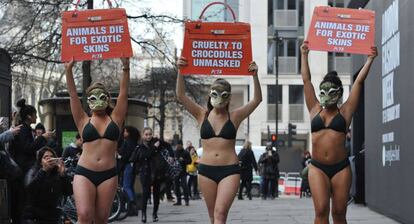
[152, 168]
[39, 130]
[247, 162]
[131, 138]
[95, 181]
[218, 168]
[46, 182]
[23, 150]
[8, 168]
[188, 145]
[168, 180]
[304, 187]
[329, 172]
[180, 181]
[268, 163]
[192, 175]
[74, 150]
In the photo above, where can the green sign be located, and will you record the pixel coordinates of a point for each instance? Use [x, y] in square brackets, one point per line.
[68, 137]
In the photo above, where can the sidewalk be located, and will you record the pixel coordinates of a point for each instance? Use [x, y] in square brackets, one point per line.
[281, 211]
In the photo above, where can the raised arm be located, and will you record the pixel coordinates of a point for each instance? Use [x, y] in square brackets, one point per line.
[121, 106]
[349, 107]
[310, 97]
[196, 110]
[79, 115]
[241, 113]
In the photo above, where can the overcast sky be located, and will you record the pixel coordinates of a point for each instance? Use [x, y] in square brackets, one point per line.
[160, 7]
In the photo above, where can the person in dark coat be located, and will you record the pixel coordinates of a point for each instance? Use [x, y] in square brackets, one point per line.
[152, 168]
[269, 170]
[247, 163]
[23, 150]
[180, 181]
[74, 149]
[131, 138]
[45, 184]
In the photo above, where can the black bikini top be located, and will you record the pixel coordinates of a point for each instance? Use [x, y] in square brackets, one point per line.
[338, 123]
[228, 131]
[90, 133]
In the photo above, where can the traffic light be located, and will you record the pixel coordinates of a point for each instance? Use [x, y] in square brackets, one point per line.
[291, 132]
[274, 139]
[291, 129]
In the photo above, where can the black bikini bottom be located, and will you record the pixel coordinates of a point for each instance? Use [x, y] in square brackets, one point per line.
[331, 170]
[96, 177]
[218, 173]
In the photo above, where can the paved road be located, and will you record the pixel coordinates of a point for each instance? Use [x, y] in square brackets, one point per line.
[282, 211]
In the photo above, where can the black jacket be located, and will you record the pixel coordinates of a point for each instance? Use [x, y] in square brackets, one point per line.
[125, 152]
[186, 159]
[24, 146]
[148, 160]
[247, 162]
[71, 151]
[269, 165]
[44, 191]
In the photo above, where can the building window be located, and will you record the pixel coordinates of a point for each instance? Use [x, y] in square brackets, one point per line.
[174, 124]
[296, 100]
[340, 62]
[271, 102]
[215, 13]
[33, 95]
[17, 92]
[287, 55]
[285, 4]
[338, 3]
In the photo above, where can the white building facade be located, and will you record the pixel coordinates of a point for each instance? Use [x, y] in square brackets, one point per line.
[290, 18]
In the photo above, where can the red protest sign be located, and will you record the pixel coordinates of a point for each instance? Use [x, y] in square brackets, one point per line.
[95, 34]
[217, 48]
[342, 30]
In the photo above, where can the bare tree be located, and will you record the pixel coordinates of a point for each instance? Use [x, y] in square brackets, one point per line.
[30, 31]
[158, 88]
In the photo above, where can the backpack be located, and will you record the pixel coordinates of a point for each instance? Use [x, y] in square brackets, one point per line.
[174, 167]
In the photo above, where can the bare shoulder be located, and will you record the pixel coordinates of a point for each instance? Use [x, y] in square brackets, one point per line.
[315, 109]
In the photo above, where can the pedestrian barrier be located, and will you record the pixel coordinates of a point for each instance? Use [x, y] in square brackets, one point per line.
[292, 185]
[281, 185]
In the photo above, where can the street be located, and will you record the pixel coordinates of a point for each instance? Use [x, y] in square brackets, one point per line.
[285, 210]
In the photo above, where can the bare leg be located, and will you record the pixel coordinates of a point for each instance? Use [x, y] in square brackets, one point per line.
[84, 192]
[104, 198]
[226, 191]
[209, 190]
[341, 184]
[320, 188]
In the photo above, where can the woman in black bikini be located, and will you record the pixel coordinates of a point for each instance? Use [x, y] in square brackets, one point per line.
[329, 172]
[218, 168]
[96, 180]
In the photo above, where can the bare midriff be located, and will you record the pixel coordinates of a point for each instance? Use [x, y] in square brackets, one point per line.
[218, 152]
[98, 155]
[328, 146]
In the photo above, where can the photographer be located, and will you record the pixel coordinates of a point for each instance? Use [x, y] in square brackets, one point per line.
[269, 171]
[45, 183]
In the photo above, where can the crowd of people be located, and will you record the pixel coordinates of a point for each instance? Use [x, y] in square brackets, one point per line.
[33, 162]
[37, 176]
